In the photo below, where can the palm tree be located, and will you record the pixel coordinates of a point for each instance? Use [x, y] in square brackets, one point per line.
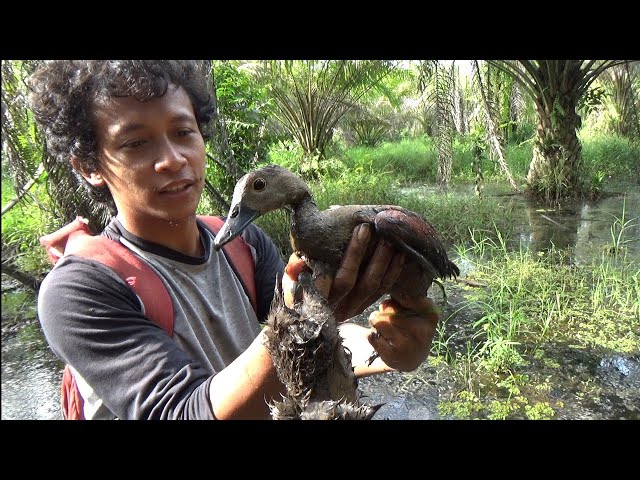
[556, 87]
[495, 137]
[619, 83]
[441, 78]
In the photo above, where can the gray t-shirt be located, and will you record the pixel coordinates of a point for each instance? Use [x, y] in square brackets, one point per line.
[128, 367]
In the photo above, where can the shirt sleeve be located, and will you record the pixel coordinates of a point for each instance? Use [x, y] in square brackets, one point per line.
[93, 320]
[269, 267]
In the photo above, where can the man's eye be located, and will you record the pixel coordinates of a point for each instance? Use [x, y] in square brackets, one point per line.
[133, 144]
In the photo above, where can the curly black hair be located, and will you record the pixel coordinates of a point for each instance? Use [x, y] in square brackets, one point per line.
[63, 94]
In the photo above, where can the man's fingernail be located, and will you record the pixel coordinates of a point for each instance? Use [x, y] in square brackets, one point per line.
[363, 232]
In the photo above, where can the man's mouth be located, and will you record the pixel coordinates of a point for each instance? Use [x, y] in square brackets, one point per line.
[177, 187]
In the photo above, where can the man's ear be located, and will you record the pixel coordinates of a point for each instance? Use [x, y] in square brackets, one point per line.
[93, 177]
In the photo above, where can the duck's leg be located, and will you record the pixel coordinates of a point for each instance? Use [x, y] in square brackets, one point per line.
[374, 355]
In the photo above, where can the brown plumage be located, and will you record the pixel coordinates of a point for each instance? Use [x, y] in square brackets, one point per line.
[311, 362]
[321, 236]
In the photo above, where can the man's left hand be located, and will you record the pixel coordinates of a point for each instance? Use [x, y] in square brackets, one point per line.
[403, 331]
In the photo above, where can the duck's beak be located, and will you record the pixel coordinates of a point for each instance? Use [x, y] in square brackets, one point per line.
[238, 219]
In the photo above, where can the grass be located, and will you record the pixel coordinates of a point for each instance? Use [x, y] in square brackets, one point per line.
[533, 302]
[416, 160]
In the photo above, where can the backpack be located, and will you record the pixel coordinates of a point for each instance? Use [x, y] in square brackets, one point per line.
[76, 238]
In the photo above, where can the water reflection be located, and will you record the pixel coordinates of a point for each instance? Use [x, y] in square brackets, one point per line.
[30, 376]
[583, 227]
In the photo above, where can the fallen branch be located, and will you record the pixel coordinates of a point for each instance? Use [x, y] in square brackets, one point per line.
[471, 283]
[25, 279]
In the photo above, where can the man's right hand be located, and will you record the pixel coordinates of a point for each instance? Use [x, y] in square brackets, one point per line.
[349, 293]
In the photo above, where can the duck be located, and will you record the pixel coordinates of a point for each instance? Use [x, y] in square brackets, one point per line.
[320, 237]
[311, 360]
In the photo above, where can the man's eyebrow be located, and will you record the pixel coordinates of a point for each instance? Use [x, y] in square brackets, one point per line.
[133, 127]
[127, 128]
[182, 117]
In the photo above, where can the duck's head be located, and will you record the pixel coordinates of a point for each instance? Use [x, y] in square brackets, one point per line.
[264, 190]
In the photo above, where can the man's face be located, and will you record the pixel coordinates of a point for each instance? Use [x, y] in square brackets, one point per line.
[152, 156]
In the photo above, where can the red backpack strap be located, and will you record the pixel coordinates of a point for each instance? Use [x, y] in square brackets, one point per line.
[76, 239]
[72, 401]
[239, 254]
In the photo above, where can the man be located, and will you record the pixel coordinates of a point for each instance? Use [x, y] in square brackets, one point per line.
[135, 131]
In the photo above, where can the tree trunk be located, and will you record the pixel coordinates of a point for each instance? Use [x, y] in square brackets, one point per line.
[444, 158]
[557, 153]
[444, 126]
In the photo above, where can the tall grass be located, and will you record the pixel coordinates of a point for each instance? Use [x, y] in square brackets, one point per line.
[613, 155]
[534, 301]
[416, 160]
[409, 160]
[533, 298]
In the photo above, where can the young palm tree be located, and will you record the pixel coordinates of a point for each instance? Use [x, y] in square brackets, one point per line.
[311, 96]
[620, 82]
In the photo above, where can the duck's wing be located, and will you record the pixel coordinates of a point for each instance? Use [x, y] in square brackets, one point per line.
[411, 232]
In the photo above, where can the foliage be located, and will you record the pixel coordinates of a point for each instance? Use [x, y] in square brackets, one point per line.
[18, 306]
[366, 128]
[382, 112]
[618, 102]
[244, 109]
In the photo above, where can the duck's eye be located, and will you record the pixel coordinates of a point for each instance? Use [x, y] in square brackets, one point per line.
[259, 184]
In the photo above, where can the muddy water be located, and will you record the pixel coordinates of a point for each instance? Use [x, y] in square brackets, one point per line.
[31, 374]
[587, 229]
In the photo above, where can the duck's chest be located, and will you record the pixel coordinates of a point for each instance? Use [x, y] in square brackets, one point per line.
[320, 236]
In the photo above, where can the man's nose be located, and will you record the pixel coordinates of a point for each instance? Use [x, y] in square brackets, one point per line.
[171, 157]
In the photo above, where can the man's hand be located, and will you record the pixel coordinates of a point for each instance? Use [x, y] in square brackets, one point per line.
[402, 328]
[403, 331]
[349, 293]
